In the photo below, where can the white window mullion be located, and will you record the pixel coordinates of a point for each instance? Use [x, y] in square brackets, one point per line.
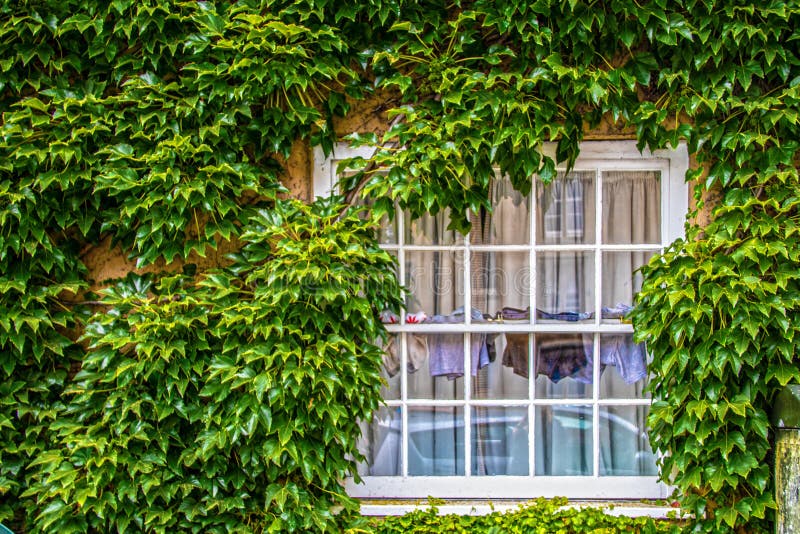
[643, 401]
[533, 206]
[511, 326]
[440, 403]
[436, 403]
[598, 299]
[467, 282]
[404, 406]
[598, 255]
[467, 408]
[499, 248]
[428, 248]
[596, 407]
[592, 247]
[401, 259]
[531, 407]
[467, 415]
[404, 435]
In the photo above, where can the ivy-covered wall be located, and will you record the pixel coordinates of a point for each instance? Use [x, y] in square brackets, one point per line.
[185, 347]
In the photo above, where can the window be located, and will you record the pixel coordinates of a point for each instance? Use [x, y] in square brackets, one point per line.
[538, 389]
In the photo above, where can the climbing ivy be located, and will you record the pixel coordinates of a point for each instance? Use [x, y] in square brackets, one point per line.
[151, 125]
[162, 127]
[718, 313]
[485, 86]
[541, 516]
[228, 403]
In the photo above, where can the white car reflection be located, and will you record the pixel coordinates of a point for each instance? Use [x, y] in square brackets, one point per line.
[500, 443]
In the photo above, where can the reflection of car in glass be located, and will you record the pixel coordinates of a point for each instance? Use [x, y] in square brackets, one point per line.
[567, 450]
[500, 443]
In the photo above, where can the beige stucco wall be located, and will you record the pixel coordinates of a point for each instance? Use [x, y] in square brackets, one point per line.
[105, 262]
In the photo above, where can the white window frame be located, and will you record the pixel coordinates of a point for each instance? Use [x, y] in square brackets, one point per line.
[596, 155]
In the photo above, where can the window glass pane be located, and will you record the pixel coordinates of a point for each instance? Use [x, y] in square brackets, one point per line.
[623, 367]
[632, 207]
[499, 441]
[435, 280]
[564, 286]
[380, 444]
[388, 231]
[392, 316]
[500, 280]
[431, 230]
[436, 441]
[564, 440]
[390, 372]
[621, 281]
[564, 366]
[624, 447]
[506, 375]
[565, 209]
[508, 224]
[440, 373]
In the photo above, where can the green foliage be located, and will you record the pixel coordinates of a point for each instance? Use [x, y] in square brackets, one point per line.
[719, 310]
[150, 125]
[36, 355]
[485, 86]
[158, 116]
[201, 400]
[231, 404]
[542, 516]
[718, 313]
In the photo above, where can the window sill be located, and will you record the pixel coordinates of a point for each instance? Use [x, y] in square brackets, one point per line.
[386, 507]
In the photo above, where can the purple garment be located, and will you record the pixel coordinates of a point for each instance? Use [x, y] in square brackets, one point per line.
[628, 357]
[446, 351]
[515, 314]
[561, 356]
[571, 316]
[618, 311]
[516, 353]
[558, 356]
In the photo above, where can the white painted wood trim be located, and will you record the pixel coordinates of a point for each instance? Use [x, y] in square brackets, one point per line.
[508, 487]
[500, 327]
[518, 403]
[325, 167]
[612, 151]
[612, 508]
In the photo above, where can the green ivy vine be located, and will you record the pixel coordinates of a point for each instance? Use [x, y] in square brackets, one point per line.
[228, 402]
[193, 401]
[541, 516]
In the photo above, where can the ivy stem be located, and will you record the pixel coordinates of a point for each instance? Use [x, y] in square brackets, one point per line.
[352, 195]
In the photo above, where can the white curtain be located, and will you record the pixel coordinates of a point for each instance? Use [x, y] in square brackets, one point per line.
[562, 364]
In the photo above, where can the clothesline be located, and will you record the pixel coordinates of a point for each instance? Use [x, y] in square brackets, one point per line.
[617, 311]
